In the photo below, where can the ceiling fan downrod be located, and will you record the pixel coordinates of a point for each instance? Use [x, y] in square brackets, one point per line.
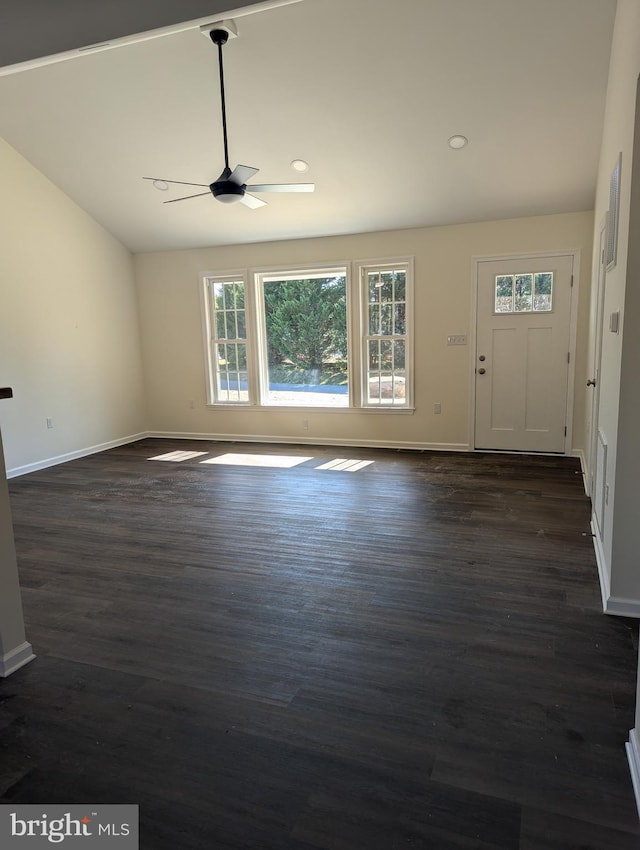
[220, 37]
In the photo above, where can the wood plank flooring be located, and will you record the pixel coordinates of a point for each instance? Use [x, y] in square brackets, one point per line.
[408, 656]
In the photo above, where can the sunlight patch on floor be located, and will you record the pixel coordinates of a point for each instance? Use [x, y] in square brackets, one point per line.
[177, 457]
[345, 465]
[281, 461]
[338, 464]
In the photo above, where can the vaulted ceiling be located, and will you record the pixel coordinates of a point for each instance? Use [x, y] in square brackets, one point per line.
[366, 91]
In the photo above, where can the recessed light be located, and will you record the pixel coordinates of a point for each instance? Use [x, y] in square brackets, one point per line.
[160, 185]
[299, 165]
[457, 142]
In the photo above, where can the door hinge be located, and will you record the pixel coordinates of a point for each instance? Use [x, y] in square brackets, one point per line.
[568, 357]
[571, 281]
[565, 430]
[602, 258]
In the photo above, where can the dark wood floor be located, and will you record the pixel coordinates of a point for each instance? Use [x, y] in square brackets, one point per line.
[408, 656]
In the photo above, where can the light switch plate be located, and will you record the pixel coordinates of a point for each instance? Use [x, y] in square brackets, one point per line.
[457, 339]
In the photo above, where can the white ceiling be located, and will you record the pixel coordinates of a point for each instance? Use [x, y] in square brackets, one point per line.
[367, 91]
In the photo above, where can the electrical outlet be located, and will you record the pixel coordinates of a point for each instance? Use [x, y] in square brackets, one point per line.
[437, 407]
[49, 422]
[192, 404]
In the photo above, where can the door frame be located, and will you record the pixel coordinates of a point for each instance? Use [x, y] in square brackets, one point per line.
[573, 333]
[593, 409]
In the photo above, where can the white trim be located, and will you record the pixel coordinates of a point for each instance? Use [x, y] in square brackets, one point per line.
[144, 36]
[312, 441]
[633, 755]
[615, 605]
[15, 659]
[207, 313]
[573, 336]
[258, 362]
[619, 607]
[90, 450]
[257, 378]
[605, 589]
[592, 406]
[573, 331]
[579, 453]
[473, 332]
[257, 408]
[362, 267]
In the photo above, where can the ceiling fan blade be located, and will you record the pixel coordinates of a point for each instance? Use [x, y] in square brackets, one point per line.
[242, 173]
[181, 182]
[186, 197]
[282, 187]
[251, 202]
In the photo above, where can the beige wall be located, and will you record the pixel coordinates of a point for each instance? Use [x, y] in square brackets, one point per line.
[619, 418]
[69, 338]
[168, 291]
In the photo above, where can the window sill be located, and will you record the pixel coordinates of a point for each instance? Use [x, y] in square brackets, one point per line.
[262, 408]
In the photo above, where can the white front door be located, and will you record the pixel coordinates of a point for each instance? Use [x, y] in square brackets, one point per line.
[522, 353]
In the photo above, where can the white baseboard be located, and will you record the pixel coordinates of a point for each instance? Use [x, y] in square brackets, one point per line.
[633, 755]
[17, 658]
[583, 467]
[603, 575]
[311, 441]
[90, 450]
[620, 606]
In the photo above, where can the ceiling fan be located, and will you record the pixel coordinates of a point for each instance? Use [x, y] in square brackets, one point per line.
[231, 186]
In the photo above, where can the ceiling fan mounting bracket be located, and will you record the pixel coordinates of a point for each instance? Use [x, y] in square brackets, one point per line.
[229, 27]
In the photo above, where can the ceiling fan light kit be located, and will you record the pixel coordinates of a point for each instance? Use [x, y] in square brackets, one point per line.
[226, 191]
[231, 186]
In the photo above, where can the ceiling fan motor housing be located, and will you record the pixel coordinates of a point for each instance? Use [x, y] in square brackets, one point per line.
[227, 191]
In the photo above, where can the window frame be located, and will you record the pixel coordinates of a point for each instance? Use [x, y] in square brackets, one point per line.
[364, 268]
[211, 339]
[356, 277]
[317, 270]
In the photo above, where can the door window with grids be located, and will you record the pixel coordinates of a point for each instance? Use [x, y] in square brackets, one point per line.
[524, 293]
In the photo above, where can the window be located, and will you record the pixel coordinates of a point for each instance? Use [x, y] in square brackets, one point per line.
[227, 332]
[524, 293]
[386, 335]
[304, 346]
[310, 337]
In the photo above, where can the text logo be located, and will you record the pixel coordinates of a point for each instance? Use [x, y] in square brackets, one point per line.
[107, 827]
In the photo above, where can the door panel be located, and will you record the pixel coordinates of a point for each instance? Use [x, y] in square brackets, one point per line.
[522, 346]
[503, 378]
[538, 416]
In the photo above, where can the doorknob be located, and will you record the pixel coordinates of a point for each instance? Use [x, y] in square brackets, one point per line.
[481, 371]
[482, 357]
[591, 382]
